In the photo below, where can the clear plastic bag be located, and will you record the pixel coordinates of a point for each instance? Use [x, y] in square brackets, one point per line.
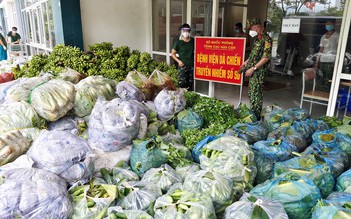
[179, 203]
[183, 172]
[343, 183]
[127, 91]
[89, 90]
[142, 82]
[168, 103]
[250, 206]
[71, 124]
[161, 81]
[121, 172]
[113, 124]
[164, 177]
[297, 195]
[20, 116]
[34, 199]
[70, 75]
[12, 145]
[118, 212]
[211, 184]
[64, 154]
[229, 156]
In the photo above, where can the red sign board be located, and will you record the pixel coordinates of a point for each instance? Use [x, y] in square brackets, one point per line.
[219, 59]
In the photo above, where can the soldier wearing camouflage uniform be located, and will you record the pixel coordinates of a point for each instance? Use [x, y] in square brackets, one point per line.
[257, 63]
[183, 54]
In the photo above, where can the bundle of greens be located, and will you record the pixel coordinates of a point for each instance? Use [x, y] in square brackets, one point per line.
[253, 207]
[87, 92]
[180, 203]
[345, 128]
[53, 99]
[297, 195]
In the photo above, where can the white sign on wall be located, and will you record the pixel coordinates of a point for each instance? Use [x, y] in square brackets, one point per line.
[291, 25]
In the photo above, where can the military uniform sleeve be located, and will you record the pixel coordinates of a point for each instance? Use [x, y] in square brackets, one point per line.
[267, 51]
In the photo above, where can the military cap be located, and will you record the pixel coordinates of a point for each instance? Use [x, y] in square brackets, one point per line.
[253, 21]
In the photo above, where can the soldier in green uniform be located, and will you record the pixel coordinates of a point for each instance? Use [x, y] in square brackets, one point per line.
[257, 63]
[183, 54]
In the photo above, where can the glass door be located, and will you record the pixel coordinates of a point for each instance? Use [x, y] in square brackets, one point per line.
[340, 100]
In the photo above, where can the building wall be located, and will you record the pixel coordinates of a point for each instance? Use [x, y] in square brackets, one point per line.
[124, 23]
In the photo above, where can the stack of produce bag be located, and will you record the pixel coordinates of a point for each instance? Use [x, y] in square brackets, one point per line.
[267, 153]
[297, 195]
[181, 203]
[251, 207]
[33, 196]
[213, 185]
[87, 92]
[309, 167]
[336, 206]
[232, 157]
[21, 91]
[12, 145]
[142, 82]
[64, 154]
[161, 81]
[53, 99]
[289, 134]
[93, 199]
[168, 103]
[20, 116]
[113, 124]
[188, 119]
[127, 91]
[344, 182]
[250, 132]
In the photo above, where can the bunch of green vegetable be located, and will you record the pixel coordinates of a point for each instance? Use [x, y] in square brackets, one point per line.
[332, 121]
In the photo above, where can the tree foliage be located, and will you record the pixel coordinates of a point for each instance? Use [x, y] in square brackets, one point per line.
[296, 5]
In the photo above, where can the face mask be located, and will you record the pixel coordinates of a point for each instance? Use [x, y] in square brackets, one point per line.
[185, 34]
[253, 33]
[329, 27]
[237, 30]
[14, 31]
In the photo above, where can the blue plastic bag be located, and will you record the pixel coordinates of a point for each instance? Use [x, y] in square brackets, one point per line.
[250, 132]
[343, 182]
[197, 150]
[188, 119]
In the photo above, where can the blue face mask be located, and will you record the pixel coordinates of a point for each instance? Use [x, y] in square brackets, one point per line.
[329, 27]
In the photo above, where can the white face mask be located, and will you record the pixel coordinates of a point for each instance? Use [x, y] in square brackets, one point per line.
[253, 33]
[185, 34]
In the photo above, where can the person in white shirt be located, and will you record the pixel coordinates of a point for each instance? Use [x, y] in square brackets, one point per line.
[327, 53]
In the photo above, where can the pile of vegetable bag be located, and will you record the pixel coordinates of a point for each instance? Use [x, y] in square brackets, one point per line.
[181, 203]
[87, 92]
[252, 207]
[142, 82]
[12, 145]
[20, 116]
[64, 154]
[213, 185]
[53, 99]
[336, 206]
[168, 103]
[127, 91]
[230, 156]
[34, 199]
[188, 119]
[267, 153]
[113, 124]
[297, 195]
[21, 91]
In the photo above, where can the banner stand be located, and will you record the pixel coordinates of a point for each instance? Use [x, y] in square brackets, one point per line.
[218, 59]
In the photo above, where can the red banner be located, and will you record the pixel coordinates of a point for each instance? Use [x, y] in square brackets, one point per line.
[219, 59]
